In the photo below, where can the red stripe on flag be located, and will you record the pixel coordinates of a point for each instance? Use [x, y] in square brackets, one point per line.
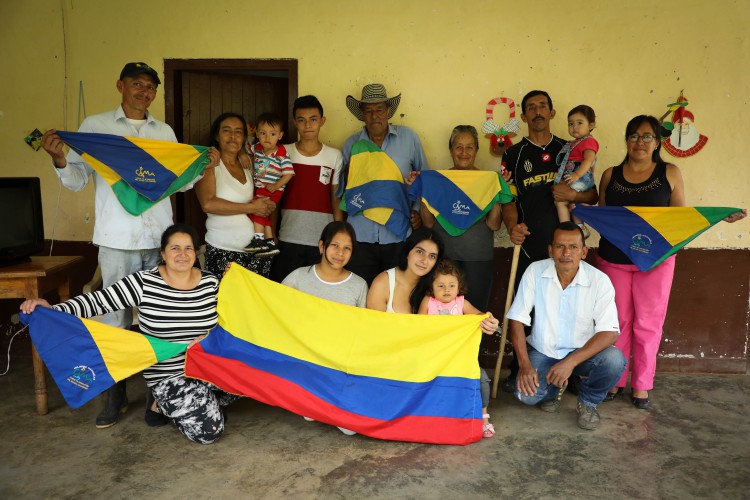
[238, 378]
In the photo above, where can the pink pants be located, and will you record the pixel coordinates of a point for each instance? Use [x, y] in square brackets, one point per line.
[641, 300]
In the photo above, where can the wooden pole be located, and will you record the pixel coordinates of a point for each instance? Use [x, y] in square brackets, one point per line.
[508, 302]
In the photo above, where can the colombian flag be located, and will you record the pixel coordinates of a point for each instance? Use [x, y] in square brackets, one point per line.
[85, 357]
[141, 172]
[459, 198]
[390, 376]
[648, 235]
[375, 188]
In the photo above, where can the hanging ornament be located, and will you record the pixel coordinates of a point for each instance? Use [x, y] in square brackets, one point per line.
[501, 133]
[680, 137]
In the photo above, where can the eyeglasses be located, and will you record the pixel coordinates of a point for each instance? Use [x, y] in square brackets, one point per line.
[646, 138]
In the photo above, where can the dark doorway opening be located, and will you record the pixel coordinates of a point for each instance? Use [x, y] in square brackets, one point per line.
[199, 90]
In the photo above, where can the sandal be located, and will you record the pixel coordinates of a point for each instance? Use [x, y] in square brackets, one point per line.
[488, 430]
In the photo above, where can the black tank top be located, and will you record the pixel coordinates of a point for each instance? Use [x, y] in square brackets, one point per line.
[653, 192]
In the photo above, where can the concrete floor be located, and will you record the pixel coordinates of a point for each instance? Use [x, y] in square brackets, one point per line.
[694, 443]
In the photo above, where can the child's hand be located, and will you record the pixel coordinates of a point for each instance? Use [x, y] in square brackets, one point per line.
[271, 188]
[571, 178]
[489, 325]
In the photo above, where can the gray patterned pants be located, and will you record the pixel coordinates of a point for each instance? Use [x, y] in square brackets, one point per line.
[194, 406]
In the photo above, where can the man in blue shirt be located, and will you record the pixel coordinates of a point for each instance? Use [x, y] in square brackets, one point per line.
[377, 247]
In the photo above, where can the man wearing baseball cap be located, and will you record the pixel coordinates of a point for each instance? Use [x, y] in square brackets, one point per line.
[127, 243]
[378, 247]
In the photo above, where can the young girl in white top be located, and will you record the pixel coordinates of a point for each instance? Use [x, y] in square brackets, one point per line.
[447, 298]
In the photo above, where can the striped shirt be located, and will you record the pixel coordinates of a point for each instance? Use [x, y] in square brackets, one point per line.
[163, 312]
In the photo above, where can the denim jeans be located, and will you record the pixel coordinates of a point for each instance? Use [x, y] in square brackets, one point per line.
[600, 373]
[115, 265]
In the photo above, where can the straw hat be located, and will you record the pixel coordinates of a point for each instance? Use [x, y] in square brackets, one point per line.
[372, 93]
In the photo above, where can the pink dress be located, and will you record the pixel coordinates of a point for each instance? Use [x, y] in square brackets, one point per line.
[454, 308]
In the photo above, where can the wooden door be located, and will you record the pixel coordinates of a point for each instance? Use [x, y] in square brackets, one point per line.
[197, 91]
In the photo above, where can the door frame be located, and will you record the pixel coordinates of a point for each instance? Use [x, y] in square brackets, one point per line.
[173, 69]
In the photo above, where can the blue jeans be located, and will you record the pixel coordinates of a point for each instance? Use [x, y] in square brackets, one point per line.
[601, 372]
[115, 265]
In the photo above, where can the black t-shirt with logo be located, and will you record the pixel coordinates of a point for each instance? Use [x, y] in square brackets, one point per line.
[533, 170]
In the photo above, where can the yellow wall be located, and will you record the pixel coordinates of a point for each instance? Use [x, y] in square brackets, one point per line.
[446, 58]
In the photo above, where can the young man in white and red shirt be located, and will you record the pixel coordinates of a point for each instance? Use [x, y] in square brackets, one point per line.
[309, 202]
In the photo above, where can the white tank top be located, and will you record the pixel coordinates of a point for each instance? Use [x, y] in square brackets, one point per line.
[391, 288]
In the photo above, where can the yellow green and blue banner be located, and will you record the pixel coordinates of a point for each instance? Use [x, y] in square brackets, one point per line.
[459, 198]
[389, 376]
[648, 235]
[86, 357]
[141, 172]
[376, 189]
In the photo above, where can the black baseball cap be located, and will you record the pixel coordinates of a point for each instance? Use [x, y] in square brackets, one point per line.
[134, 69]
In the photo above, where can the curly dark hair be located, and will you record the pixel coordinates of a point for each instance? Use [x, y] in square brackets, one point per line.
[448, 268]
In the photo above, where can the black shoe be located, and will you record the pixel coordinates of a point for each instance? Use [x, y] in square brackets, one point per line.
[641, 403]
[117, 404]
[153, 418]
[271, 251]
[612, 395]
[256, 245]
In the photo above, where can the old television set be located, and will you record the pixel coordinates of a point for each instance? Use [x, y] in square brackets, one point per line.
[22, 233]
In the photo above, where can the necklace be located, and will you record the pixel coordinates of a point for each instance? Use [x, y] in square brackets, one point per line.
[543, 148]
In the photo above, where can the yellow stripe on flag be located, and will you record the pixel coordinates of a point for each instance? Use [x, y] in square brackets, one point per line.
[379, 214]
[109, 175]
[346, 338]
[367, 166]
[174, 156]
[675, 224]
[123, 351]
[481, 187]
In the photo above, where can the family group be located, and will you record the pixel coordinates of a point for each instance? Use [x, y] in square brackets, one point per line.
[571, 324]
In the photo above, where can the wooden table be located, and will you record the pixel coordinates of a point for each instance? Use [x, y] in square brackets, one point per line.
[35, 279]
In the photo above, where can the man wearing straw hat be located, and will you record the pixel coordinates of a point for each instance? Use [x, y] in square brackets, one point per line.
[377, 246]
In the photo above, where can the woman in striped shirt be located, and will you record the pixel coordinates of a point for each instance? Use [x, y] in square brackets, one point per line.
[176, 302]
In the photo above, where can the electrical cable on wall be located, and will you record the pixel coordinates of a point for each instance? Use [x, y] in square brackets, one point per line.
[7, 368]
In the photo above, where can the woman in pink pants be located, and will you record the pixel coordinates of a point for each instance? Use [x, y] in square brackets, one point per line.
[643, 179]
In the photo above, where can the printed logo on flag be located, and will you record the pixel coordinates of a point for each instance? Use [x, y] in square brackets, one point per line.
[641, 243]
[357, 200]
[143, 175]
[460, 209]
[82, 376]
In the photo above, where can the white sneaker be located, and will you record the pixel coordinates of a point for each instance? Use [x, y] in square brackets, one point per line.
[347, 431]
[309, 419]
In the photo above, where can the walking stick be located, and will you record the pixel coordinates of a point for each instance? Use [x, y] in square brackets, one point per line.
[508, 302]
